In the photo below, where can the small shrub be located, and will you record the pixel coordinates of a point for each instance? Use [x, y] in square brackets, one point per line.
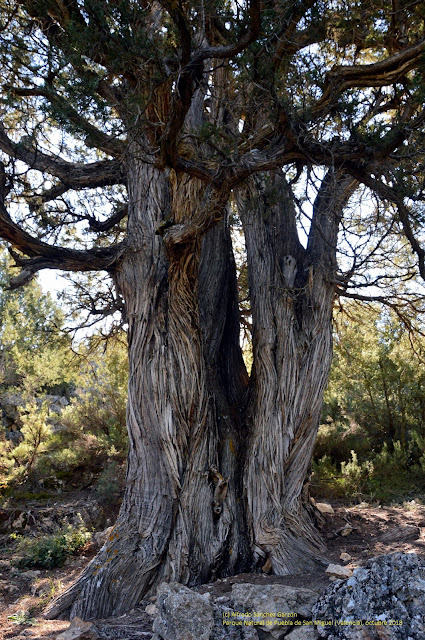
[70, 450]
[99, 409]
[418, 448]
[22, 617]
[109, 484]
[36, 433]
[70, 455]
[324, 480]
[392, 474]
[18, 462]
[22, 495]
[51, 550]
[49, 592]
[356, 476]
[337, 439]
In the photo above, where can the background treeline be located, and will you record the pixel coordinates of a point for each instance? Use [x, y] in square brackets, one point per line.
[63, 407]
[371, 442]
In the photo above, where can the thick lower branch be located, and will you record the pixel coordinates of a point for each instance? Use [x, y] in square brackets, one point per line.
[72, 174]
[45, 256]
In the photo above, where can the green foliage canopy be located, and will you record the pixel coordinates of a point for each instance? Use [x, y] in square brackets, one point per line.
[303, 86]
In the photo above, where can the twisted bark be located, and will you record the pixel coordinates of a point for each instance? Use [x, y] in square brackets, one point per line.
[291, 297]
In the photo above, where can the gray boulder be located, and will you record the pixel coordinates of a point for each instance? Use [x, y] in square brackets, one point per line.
[100, 537]
[183, 614]
[43, 519]
[79, 630]
[187, 615]
[279, 606]
[250, 612]
[227, 626]
[384, 599]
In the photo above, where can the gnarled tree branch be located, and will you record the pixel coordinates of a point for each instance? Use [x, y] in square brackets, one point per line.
[379, 74]
[72, 174]
[45, 256]
[110, 223]
[232, 50]
[386, 192]
[94, 137]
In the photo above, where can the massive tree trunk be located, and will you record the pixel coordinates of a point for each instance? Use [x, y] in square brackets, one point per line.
[213, 489]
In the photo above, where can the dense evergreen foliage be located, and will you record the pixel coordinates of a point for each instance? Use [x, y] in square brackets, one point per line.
[371, 444]
[33, 347]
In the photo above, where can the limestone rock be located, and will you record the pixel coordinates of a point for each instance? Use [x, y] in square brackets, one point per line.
[183, 614]
[79, 630]
[11, 589]
[47, 524]
[273, 599]
[31, 575]
[39, 590]
[338, 571]
[100, 537]
[387, 588]
[224, 631]
[325, 508]
[20, 522]
[151, 609]
[47, 519]
[345, 557]
[186, 615]
[14, 435]
[345, 531]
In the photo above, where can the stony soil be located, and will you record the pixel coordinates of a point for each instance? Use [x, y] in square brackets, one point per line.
[23, 591]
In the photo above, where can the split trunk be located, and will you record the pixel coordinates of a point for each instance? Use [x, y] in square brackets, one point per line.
[218, 462]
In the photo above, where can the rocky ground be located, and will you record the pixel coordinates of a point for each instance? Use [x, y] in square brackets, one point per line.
[354, 534]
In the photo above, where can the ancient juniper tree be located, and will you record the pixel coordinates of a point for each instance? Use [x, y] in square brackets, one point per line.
[128, 131]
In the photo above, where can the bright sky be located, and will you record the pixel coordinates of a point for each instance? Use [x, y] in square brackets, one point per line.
[52, 281]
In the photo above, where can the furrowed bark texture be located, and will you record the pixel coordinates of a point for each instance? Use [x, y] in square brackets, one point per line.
[291, 297]
[181, 518]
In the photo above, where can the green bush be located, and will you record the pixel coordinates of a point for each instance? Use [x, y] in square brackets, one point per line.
[109, 484]
[22, 617]
[324, 479]
[389, 475]
[51, 550]
[355, 476]
[100, 406]
[337, 438]
[348, 480]
[90, 432]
